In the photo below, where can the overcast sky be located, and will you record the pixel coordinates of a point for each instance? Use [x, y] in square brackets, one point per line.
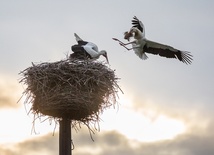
[167, 106]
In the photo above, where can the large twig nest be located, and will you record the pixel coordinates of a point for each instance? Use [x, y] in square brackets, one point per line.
[77, 90]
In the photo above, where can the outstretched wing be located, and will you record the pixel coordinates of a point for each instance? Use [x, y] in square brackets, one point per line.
[138, 24]
[167, 51]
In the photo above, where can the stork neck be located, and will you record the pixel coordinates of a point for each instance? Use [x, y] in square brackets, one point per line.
[138, 35]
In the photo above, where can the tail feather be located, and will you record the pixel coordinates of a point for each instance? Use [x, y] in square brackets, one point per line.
[144, 56]
[140, 54]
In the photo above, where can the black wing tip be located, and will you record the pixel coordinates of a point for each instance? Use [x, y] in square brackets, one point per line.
[137, 23]
[135, 17]
[135, 20]
[186, 57]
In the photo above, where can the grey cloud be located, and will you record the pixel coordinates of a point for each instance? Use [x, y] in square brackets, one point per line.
[47, 144]
[187, 144]
[112, 142]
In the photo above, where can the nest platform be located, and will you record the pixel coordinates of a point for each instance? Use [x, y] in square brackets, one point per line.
[71, 89]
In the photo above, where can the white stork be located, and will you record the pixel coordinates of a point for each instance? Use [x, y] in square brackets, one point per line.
[86, 50]
[141, 45]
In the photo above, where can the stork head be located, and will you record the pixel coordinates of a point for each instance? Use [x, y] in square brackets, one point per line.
[104, 53]
[127, 35]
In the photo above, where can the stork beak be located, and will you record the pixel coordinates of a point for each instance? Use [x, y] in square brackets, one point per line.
[106, 58]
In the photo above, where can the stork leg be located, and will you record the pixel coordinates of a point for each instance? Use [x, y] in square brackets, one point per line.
[123, 44]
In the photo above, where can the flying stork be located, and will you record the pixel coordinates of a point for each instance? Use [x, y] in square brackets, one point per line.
[141, 45]
[86, 50]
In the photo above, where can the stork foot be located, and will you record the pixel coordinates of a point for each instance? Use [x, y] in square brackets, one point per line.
[115, 39]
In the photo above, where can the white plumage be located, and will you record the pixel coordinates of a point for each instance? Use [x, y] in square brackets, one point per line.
[86, 50]
[141, 45]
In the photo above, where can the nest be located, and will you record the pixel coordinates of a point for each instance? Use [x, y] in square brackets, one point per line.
[71, 89]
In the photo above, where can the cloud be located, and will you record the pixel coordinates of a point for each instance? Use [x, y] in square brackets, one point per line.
[187, 144]
[5, 151]
[9, 93]
[47, 144]
[112, 142]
